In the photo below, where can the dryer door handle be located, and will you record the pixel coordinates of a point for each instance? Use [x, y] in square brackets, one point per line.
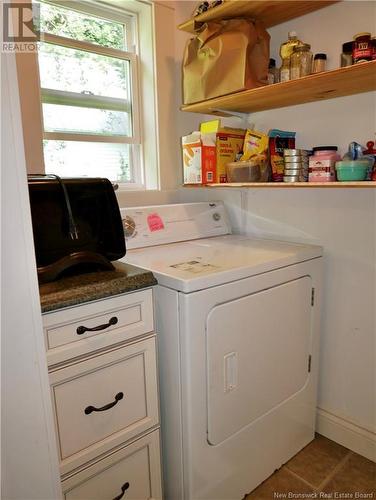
[230, 362]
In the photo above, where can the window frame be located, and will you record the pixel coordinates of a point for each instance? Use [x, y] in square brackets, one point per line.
[140, 153]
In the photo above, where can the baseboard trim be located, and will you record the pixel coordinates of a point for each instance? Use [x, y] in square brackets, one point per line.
[346, 433]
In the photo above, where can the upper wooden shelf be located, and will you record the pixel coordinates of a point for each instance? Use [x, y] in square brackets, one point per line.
[271, 12]
[299, 185]
[317, 87]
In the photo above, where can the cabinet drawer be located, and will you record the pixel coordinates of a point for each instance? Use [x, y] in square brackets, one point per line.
[135, 468]
[89, 327]
[104, 401]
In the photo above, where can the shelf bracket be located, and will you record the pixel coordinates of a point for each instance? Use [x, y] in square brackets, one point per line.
[237, 114]
[230, 113]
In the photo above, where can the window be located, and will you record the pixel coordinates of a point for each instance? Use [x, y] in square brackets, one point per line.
[91, 92]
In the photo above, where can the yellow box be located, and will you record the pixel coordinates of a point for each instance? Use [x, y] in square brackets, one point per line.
[229, 143]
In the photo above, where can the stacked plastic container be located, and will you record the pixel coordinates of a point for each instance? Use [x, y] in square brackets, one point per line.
[296, 165]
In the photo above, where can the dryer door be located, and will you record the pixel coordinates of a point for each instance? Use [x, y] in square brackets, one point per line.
[257, 355]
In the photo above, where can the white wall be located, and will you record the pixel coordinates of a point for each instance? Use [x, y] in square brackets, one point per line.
[28, 449]
[342, 220]
[167, 96]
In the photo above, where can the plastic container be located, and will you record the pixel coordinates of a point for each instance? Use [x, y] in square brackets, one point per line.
[355, 170]
[291, 171]
[293, 159]
[287, 48]
[291, 178]
[243, 171]
[294, 152]
[285, 52]
[322, 164]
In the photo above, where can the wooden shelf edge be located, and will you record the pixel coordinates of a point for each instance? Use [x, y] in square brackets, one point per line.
[276, 185]
[263, 10]
[339, 82]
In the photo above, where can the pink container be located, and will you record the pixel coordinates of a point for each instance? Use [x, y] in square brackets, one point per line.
[322, 164]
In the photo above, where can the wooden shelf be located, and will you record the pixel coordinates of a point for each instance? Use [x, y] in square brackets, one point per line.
[339, 184]
[318, 87]
[270, 12]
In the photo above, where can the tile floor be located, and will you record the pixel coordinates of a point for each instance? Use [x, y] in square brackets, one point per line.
[322, 470]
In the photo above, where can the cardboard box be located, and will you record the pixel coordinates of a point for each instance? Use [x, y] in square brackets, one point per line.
[199, 158]
[192, 170]
[208, 158]
[229, 143]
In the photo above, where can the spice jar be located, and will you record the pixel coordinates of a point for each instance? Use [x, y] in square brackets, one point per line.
[362, 48]
[373, 48]
[346, 56]
[301, 61]
[273, 72]
[319, 63]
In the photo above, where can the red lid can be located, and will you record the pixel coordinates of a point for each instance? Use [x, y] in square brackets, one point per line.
[362, 48]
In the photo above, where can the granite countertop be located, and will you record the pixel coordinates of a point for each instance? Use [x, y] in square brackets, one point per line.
[73, 290]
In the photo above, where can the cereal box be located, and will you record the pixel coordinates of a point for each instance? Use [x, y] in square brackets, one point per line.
[229, 143]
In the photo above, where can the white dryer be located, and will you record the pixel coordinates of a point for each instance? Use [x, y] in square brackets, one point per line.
[238, 332]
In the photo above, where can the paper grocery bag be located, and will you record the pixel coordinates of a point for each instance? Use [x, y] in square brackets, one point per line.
[225, 57]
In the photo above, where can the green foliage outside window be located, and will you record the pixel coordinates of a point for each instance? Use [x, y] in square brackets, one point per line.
[71, 24]
[75, 70]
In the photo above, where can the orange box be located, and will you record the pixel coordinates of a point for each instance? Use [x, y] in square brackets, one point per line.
[208, 158]
[228, 144]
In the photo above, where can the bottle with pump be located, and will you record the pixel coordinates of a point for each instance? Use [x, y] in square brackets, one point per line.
[285, 52]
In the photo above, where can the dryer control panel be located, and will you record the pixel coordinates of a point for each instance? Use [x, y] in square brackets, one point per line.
[162, 224]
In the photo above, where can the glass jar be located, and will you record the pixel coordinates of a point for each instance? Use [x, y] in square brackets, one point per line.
[319, 63]
[273, 72]
[362, 49]
[346, 56]
[301, 61]
[284, 70]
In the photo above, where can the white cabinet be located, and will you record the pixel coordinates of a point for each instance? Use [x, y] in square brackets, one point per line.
[79, 330]
[104, 390]
[132, 470]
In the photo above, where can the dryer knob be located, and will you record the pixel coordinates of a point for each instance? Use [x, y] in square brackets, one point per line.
[216, 216]
[129, 226]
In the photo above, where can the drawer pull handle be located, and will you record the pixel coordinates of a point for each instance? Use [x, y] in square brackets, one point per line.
[82, 329]
[123, 490]
[118, 397]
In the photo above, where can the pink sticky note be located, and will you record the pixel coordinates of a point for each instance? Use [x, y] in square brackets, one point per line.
[155, 222]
